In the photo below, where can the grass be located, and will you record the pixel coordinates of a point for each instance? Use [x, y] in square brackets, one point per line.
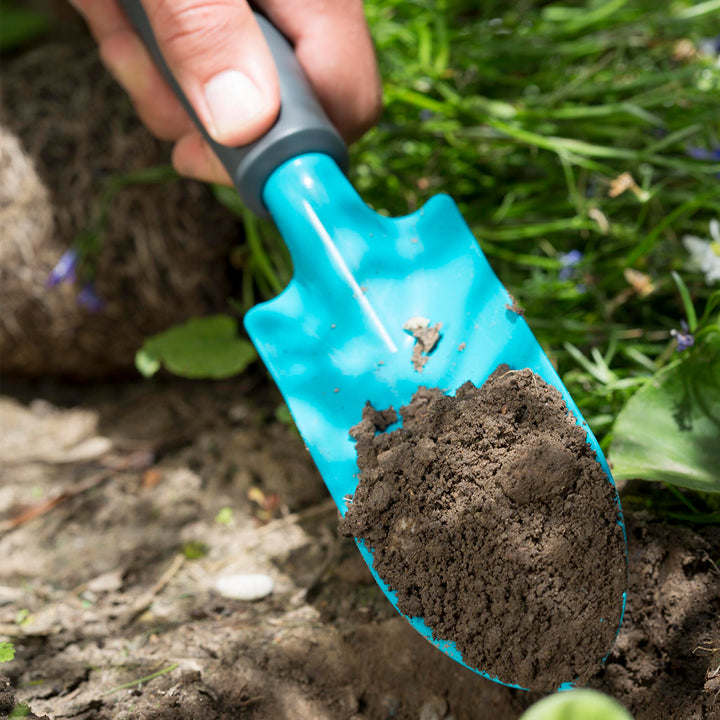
[556, 127]
[533, 116]
[526, 113]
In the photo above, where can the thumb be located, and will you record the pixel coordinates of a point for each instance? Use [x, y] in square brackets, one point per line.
[219, 57]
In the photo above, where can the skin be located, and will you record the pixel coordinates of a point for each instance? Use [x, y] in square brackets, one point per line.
[202, 40]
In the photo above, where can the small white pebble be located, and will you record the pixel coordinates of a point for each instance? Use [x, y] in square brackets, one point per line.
[435, 709]
[250, 586]
[416, 323]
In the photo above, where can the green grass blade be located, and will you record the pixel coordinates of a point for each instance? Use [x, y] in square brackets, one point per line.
[687, 302]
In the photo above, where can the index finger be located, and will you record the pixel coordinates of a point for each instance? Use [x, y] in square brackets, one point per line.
[128, 60]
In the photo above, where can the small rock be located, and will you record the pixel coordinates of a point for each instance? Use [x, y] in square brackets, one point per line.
[389, 704]
[107, 582]
[9, 595]
[416, 323]
[434, 709]
[250, 586]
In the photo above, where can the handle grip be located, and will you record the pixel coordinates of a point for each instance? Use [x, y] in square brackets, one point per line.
[301, 126]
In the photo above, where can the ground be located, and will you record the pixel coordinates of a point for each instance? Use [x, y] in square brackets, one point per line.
[115, 524]
[121, 504]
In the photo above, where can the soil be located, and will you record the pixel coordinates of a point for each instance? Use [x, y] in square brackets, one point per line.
[103, 488]
[67, 133]
[515, 308]
[426, 339]
[666, 658]
[491, 518]
[121, 504]
[8, 703]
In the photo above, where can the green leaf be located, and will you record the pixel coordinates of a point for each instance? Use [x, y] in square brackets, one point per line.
[206, 347]
[20, 25]
[194, 550]
[147, 364]
[7, 652]
[225, 517]
[230, 199]
[687, 302]
[575, 704]
[669, 429]
[283, 415]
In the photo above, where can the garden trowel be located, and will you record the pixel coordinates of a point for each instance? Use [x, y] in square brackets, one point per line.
[365, 289]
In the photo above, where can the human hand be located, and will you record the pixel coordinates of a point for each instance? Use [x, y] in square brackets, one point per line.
[219, 57]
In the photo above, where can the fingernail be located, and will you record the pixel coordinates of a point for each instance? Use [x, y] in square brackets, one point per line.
[233, 99]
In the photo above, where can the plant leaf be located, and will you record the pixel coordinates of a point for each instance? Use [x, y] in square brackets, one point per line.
[147, 364]
[583, 703]
[669, 430]
[206, 347]
[7, 652]
[20, 26]
[687, 302]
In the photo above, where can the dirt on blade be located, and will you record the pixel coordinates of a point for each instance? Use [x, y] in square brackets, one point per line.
[491, 518]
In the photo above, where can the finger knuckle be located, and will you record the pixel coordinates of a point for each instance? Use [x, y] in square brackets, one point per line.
[192, 30]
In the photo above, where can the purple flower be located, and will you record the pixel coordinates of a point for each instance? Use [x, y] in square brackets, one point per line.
[64, 271]
[683, 337]
[568, 261]
[699, 153]
[87, 298]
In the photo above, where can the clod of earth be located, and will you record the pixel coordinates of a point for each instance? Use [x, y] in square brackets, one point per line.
[491, 518]
[515, 308]
[426, 338]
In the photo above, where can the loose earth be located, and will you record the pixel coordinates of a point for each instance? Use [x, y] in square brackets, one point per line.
[491, 518]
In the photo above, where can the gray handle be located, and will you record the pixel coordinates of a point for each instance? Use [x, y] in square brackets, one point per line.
[301, 126]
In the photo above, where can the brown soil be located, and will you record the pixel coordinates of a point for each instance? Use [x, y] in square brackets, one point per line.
[7, 697]
[668, 652]
[102, 489]
[106, 493]
[68, 132]
[491, 518]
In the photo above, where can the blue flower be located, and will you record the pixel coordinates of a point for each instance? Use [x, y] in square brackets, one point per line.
[683, 337]
[699, 153]
[87, 298]
[568, 261]
[64, 270]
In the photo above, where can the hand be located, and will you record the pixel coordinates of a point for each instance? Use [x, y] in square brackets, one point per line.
[218, 55]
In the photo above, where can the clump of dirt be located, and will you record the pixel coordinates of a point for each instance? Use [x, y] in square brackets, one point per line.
[7, 696]
[491, 518]
[670, 637]
[69, 135]
[426, 337]
[515, 307]
[8, 703]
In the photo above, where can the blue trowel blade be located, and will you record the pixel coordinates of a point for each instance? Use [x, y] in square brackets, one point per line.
[334, 339]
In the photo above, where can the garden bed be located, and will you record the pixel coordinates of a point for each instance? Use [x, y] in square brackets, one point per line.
[113, 582]
[582, 158]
